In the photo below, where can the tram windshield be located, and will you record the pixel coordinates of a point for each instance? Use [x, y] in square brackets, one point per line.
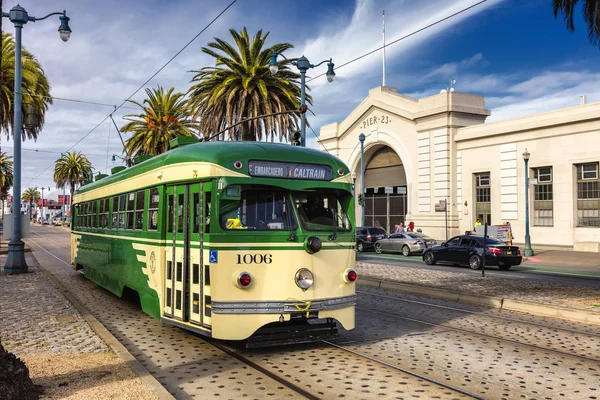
[258, 210]
[320, 211]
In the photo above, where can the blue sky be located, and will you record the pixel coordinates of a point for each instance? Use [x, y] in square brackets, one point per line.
[512, 52]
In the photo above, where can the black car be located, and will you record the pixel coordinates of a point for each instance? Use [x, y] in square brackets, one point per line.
[366, 236]
[468, 250]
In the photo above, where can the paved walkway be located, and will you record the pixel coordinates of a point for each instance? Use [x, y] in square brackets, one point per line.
[64, 355]
[36, 317]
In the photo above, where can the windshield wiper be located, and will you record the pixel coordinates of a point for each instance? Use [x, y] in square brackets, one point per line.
[333, 236]
[289, 217]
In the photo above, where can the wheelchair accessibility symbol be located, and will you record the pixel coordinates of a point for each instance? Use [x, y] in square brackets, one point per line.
[213, 256]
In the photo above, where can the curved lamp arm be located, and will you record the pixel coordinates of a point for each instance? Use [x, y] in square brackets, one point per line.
[64, 13]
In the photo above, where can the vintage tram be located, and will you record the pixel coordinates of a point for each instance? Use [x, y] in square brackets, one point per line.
[233, 240]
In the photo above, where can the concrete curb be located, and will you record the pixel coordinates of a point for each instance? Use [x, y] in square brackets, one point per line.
[571, 314]
[138, 369]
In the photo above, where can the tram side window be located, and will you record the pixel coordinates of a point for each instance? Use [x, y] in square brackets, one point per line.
[130, 210]
[170, 213]
[153, 210]
[122, 204]
[258, 210]
[103, 214]
[92, 217]
[81, 217]
[207, 212]
[180, 204]
[139, 210]
[115, 213]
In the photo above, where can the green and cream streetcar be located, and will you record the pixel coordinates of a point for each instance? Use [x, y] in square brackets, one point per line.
[233, 240]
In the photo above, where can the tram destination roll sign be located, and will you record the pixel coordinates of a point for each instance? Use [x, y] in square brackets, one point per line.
[270, 169]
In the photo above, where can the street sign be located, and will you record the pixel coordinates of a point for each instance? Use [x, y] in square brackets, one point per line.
[441, 206]
[533, 181]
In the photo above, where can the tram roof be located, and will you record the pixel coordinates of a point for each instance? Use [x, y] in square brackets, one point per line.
[224, 154]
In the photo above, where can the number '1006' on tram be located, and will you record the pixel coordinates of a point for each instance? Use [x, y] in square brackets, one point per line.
[233, 240]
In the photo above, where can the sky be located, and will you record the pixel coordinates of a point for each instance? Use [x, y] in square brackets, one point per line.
[513, 52]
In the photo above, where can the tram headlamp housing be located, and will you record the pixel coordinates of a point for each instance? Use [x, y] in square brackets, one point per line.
[312, 244]
[304, 278]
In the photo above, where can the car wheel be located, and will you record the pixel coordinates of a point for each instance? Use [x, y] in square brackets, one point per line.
[475, 262]
[504, 267]
[378, 248]
[429, 258]
[360, 247]
[405, 251]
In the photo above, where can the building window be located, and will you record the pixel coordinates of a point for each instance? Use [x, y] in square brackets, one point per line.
[543, 210]
[588, 195]
[483, 198]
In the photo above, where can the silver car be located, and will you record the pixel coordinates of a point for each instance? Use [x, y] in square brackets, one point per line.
[405, 243]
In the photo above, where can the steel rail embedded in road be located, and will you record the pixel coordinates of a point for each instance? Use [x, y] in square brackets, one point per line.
[290, 385]
[515, 342]
[479, 313]
[404, 370]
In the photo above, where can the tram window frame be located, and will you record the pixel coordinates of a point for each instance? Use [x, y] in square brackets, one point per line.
[105, 217]
[170, 205]
[140, 198]
[153, 208]
[115, 213]
[130, 211]
[92, 217]
[122, 208]
[81, 217]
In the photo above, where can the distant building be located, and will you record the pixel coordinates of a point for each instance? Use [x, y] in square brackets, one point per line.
[420, 152]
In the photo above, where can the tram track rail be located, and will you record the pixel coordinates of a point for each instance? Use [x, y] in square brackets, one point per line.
[483, 314]
[513, 342]
[406, 371]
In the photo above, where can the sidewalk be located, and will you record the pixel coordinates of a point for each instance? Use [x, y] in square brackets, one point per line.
[63, 354]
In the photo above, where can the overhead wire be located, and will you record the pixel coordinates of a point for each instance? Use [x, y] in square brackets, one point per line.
[402, 38]
[146, 82]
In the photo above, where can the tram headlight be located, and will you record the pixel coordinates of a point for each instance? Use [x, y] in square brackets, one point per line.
[304, 278]
[350, 276]
[244, 280]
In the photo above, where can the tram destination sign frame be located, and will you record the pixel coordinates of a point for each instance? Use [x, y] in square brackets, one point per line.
[283, 170]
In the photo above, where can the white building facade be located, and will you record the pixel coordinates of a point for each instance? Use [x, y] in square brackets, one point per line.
[421, 152]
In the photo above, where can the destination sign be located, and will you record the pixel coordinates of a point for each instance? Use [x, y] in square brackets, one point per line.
[270, 169]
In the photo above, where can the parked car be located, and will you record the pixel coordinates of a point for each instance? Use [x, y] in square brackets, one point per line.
[468, 250]
[405, 243]
[366, 236]
[67, 221]
[45, 221]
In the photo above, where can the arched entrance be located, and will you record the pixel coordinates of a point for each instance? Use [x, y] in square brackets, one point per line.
[386, 194]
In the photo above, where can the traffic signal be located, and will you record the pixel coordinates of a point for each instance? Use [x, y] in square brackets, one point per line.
[296, 138]
[360, 199]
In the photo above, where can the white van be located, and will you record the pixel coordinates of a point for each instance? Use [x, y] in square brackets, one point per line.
[500, 232]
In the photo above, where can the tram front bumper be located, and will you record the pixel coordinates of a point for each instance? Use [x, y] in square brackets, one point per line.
[238, 320]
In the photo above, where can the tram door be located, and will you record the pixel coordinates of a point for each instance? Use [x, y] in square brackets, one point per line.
[184, 283]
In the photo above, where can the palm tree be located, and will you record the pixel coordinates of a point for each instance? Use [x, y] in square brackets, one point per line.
[71, 168]
[240, 86]
[35, 86]
[31, 195]
[165, 116]
[591, 15]
[6, 175]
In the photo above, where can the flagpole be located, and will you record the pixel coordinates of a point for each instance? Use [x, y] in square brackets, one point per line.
[383, 21]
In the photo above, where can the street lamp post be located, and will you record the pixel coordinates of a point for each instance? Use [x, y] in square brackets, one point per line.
[42, 219]
[303, 65]
[354, 185]
[528, 250]
[361, 138]
[15, 262]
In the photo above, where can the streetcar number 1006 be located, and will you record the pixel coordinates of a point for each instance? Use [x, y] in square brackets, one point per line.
[254, 258]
